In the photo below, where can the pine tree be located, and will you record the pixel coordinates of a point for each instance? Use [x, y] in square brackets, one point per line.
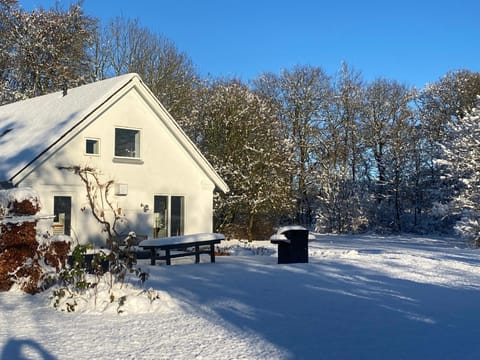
[440, 104]
[460, 162]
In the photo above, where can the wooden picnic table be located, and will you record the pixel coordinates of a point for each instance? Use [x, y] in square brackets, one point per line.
[183, 246]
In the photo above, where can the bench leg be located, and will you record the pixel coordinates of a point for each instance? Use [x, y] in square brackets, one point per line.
[153, 255]
[167, 257]
[197, 255]
[212, 253]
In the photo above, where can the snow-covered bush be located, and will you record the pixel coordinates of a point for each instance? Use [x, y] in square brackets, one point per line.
[244, 248]
[27, 259]
[100, 289]
[105, 298]
[469, 228]
[33, 261]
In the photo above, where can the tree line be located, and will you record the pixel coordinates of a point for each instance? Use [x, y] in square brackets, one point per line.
[332, 152]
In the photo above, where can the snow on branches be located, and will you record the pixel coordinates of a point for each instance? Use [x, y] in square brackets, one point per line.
[43, 51]
[461, 162]
[241, 137]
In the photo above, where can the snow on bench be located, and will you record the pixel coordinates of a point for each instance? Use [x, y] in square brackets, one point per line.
[182, 244]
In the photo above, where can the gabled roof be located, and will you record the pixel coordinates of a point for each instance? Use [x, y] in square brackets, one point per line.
[31, 127]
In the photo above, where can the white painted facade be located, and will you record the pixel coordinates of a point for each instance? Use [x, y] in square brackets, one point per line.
[169, 166]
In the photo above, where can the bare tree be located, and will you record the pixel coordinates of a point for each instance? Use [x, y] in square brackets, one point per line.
[239, 133]
[47, 50]
[303, 97]
[449, 99]
[124, 46]
[387, 126]
[340, 158]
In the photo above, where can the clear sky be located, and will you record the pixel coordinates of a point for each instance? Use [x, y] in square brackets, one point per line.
[412, 41]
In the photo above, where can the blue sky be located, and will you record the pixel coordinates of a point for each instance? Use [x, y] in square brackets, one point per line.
[412, 41]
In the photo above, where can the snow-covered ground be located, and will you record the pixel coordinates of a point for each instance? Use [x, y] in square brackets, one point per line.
[359, 297]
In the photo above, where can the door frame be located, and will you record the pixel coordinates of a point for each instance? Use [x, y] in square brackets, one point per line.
[168, 214]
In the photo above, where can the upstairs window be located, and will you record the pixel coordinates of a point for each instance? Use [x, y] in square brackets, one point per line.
[92, 147]
[127, 143]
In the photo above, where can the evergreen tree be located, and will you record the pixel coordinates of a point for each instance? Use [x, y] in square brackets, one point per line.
[439, 105]
[460, 161]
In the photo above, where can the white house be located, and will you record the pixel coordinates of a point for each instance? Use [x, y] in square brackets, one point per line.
[163, 184]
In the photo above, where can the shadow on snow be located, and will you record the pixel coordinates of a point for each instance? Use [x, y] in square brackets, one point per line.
[328, 310]
[18, 348]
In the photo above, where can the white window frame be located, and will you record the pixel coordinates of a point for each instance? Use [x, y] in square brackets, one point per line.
[169, 215]
[138, 143]
[98, 146]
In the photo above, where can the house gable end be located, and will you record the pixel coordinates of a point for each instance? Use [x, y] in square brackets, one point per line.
[32, 128]
[38, 152]
[179, 135]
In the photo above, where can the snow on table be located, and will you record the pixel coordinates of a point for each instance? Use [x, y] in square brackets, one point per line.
[183, 239]
[182, 243]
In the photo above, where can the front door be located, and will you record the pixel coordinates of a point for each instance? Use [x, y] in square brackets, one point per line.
[160, 216]
[62, 209]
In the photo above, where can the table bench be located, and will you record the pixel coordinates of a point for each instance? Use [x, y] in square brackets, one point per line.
[182, 244]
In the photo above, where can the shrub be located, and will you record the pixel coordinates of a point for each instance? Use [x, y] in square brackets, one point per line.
[23, 260]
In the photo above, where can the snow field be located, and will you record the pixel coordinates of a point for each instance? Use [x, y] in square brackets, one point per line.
[360, 297]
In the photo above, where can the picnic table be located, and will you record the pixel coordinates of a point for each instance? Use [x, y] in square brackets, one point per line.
[185, 245]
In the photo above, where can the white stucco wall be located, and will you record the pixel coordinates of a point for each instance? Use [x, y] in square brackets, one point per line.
[164, 168]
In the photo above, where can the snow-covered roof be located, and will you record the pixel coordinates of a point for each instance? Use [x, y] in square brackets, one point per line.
[30, 127]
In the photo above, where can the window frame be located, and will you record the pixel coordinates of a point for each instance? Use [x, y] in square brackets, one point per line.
[137, 145]
[63, 202]
[98, 146]
[171, 221]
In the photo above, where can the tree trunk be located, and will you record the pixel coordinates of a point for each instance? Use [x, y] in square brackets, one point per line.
[251, 216]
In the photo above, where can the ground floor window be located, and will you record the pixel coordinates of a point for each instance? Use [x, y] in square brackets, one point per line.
[168, 216]
[178, 218]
